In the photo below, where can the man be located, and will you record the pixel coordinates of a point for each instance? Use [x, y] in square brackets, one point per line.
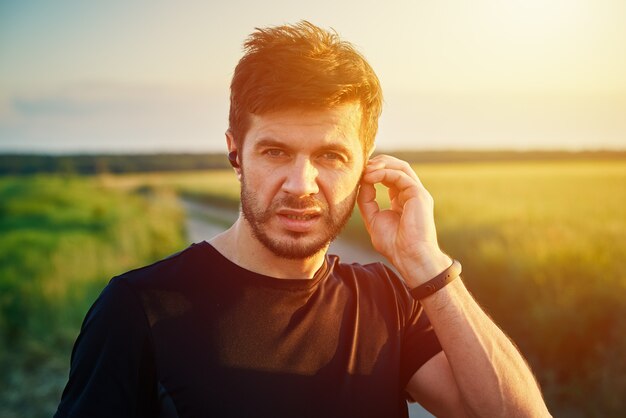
[261, 322]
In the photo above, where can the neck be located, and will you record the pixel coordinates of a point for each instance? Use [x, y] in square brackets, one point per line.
[240, 246]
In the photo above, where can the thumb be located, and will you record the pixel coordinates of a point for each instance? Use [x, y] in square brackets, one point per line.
[367, 203]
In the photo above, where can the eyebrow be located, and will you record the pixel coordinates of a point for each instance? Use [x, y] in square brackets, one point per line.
[270, 142]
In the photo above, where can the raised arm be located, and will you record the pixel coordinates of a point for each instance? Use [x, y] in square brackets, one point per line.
[480, 372]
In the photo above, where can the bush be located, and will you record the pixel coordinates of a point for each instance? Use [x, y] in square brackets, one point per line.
[61, 240]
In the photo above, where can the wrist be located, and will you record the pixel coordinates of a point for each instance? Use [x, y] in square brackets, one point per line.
[438, 282]
[419, 270]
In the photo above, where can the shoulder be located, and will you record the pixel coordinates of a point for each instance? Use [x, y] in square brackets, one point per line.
[377, 273]
[167, 271]
[377, 280]
[116, 311]
[112, 358]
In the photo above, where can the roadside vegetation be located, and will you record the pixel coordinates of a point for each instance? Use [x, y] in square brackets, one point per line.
[61, 240]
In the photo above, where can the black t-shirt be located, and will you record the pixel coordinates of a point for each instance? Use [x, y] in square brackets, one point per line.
[195, 335]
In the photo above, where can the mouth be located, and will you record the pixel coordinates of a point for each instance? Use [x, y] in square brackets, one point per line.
[299, 221]
[300, 214]
[300, 217]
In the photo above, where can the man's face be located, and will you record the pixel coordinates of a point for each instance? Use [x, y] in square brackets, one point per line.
[300, 172]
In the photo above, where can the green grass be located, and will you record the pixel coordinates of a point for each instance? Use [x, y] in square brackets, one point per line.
[543, 249]
[61, 240]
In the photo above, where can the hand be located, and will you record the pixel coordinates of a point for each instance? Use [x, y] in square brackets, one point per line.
[405, 233]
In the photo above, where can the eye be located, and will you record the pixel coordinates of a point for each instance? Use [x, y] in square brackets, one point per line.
[333, 156]
[274, 152]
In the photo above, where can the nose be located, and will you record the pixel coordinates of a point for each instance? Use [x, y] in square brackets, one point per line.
[301, 178]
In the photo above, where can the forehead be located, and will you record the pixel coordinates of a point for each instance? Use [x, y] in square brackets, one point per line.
[308, 127]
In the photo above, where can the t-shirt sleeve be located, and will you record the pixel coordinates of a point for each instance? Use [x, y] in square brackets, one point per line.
[112, 372]
[420, 343]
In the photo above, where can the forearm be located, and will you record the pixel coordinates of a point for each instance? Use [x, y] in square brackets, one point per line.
[493, 379]
[491, 375]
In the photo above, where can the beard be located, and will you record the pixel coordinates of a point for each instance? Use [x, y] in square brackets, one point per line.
[297, 245]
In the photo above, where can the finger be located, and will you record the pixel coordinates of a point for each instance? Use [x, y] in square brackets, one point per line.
[391, 178]
[393, 193]
[396, 204]
[366, 200]
[401, 188]
[387, 161]
[398, 199]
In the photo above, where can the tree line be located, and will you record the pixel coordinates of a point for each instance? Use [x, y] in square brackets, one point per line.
[89, 164]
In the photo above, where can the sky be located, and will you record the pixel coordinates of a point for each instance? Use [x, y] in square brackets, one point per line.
[153, 76]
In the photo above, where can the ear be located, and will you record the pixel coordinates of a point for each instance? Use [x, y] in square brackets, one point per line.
[232, 146]
[230, 141]
[371, 151]
[367, 158]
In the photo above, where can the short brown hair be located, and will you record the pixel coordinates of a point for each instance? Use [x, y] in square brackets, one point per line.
[302, 66]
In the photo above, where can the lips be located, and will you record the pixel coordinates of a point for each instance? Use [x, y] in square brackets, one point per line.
[300, 217]
[298, 220]
[299, 213]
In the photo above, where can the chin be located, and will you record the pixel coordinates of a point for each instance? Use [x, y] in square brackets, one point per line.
[296, 247]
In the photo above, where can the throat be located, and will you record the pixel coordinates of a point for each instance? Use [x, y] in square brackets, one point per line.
[239, 245]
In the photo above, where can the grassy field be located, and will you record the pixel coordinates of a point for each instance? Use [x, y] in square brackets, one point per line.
[541, 245]
[543, 251]
[61, 240]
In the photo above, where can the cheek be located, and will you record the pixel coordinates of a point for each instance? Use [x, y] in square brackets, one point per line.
[342, 185]
[264, 184]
